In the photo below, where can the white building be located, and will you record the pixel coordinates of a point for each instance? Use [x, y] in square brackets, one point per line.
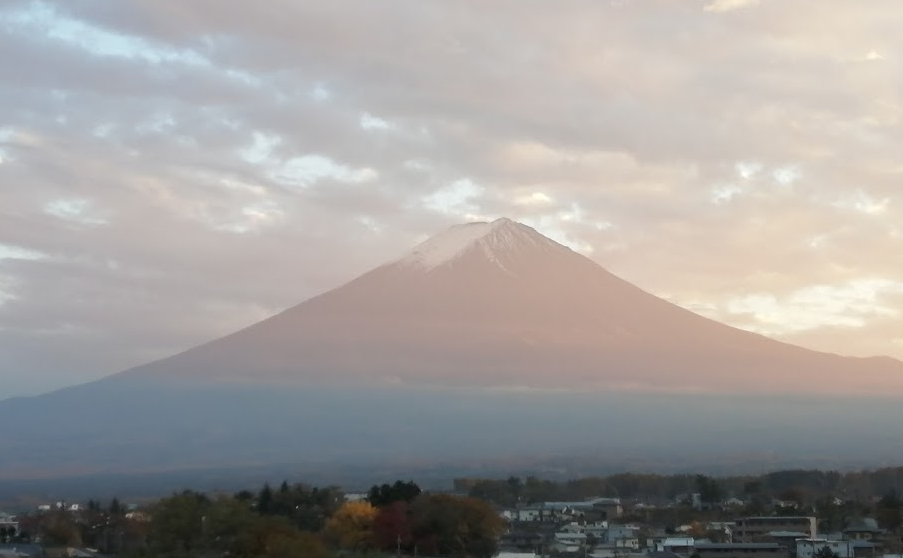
[529, 514]
[677, 545]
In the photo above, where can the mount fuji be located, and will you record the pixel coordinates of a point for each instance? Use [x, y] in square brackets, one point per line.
[488, 339]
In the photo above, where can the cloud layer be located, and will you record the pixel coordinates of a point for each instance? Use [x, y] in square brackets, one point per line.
[171, 171]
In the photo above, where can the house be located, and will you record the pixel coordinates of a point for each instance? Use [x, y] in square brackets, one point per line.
[758, 529]
[865, 529]
[865, 549]
[742, 550]
[623, 536]
[678, 545]
[597, 508]
[573, 528]
[597, 530]
[808, 548]
[721, 531]
[612, 551]
[785, 538]
[521, 541]
[568, 542]
[532, 513]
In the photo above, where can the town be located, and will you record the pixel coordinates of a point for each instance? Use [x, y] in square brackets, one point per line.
[789, 514]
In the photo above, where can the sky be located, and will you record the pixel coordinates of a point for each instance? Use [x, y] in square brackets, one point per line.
[173, 171]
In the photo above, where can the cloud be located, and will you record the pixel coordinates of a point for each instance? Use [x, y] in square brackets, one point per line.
[203, 165]
[721, 6]
[848, 305]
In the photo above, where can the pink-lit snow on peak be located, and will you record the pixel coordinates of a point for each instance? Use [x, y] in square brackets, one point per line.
[500, 237]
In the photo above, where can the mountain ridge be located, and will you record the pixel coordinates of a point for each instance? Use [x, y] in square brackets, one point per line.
[505, 342]
[497, 291]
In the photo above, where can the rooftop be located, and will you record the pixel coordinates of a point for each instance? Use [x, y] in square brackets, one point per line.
[739, 546]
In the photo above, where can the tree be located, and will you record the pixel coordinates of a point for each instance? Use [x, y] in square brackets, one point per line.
[223, 520]
[265, 500]
[115, 507]
[7, 534]
[351, 526]
[61, 530]
[889, 511]
[710, 491]
[386, 494]
[825, 552]
[392, 527]
[178, 524]
[244, 496]
[275, 537]
[455, 526]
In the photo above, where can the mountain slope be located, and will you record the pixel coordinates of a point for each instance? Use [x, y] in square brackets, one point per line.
[499, 305]
[486, 340]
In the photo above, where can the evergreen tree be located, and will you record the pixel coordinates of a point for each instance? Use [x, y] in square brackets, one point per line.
[265, 502]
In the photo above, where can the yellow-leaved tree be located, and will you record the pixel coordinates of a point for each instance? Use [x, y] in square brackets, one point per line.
[351, 526]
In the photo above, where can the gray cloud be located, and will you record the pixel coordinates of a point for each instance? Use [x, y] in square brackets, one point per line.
[170, 172]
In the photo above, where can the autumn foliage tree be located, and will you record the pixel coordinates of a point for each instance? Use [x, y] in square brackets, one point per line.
[439, 525]
[392, 527]
[351, 526]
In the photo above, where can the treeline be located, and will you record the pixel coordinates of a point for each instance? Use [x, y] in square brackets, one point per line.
[807, 486]
[302, 521]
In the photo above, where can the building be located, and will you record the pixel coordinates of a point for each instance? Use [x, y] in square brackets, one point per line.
[785, 538]
[808, 548]
[532, 513]
[521, 541]
[678, 545]
[742, 550]
[568, 542]
[623, 536]
[760, 529]
[598, 509]
[863, 530]
[9, 528]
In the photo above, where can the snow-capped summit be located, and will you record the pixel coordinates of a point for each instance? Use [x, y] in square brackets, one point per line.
[497, 240]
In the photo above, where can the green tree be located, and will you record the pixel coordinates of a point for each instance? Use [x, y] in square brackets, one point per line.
[825, 552]
[710, 491]
[386, 494]
[265, 500]
[224, 519]
[889, 511]
[455, 526]
[178, 526]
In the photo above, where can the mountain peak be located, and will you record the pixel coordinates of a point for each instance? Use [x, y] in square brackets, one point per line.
[495, 238]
